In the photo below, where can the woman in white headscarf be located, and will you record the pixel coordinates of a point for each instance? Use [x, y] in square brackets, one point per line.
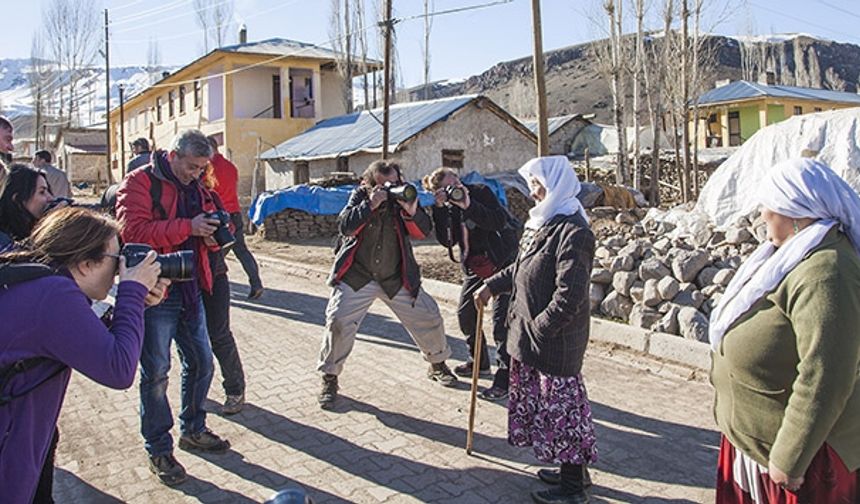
[786, 348]
[548, 323]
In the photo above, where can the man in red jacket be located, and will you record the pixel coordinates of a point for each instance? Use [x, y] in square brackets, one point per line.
[165, 206]
[226, 179]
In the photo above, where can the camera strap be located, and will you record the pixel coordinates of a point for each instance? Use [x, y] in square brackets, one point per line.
[11, 274]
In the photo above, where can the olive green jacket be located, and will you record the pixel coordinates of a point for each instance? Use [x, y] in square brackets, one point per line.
[786, 372]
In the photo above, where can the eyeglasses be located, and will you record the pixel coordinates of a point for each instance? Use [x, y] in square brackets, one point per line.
[115, 256]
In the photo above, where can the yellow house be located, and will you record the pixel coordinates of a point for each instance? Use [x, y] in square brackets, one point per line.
[251, 96]
[731, 113]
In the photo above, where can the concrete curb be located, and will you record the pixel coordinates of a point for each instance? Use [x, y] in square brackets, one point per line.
[669, 347]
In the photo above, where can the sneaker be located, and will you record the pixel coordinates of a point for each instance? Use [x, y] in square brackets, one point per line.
[233, 404]
[465, 370]
[441, 373]
[329, 391]
[168, 469]
[256, 293]
[494, 393]
[205, 440]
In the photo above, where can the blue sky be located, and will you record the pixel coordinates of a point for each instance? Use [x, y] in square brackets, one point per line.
[462, 44]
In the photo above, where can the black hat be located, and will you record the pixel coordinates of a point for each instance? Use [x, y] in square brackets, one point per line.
[142, 143]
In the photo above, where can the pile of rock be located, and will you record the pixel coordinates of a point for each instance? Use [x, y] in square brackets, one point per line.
[645, 277]
[291, 224]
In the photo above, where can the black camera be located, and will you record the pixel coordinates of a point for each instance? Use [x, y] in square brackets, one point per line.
[405, 192]
[176, 265]
[455, 193]
[222, 235]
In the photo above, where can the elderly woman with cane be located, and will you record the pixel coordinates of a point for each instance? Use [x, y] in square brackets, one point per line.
[548, 324]
[786, 348]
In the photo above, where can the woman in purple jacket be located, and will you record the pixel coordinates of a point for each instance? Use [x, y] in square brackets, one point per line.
[50, 329]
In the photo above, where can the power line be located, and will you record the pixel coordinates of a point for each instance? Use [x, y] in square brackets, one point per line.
[805, 21]
[455, 10]
[838, 8]
[155, 10]
[127, 5]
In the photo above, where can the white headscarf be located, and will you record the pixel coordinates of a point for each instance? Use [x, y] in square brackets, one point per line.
[797, 188]
[562, 186]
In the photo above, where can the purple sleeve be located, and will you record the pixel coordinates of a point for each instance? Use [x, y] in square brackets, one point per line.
[79, 339]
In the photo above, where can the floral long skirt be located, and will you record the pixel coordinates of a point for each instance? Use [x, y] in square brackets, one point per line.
[552, 415]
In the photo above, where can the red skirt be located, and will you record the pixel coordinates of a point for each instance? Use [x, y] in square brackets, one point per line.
[827, 480]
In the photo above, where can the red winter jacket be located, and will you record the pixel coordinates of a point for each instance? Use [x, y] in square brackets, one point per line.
[227, 179]
[141, 223]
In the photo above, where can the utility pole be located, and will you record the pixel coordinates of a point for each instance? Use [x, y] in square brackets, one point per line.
[387, 83]
[348, 45]
[540, 84]
[121, 130]
[107, 101]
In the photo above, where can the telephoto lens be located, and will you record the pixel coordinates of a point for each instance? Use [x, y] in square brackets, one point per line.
[455, 193]
[176, 266]
[222, 236]
[401, 192]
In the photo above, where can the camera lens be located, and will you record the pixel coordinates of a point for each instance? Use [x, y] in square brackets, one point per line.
[456, 193]
[177, 265]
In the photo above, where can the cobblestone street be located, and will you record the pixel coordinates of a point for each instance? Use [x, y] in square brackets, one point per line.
[393, 437]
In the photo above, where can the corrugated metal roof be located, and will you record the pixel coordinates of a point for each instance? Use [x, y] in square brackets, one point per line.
[281, 47]
[362, 131]
[745, 90]
[553, 124]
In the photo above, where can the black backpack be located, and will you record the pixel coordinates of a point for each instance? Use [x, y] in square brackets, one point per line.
[11, 274]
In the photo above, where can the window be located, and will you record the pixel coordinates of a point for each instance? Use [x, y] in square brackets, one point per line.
[301, 173]
[196, 94]
[734, 128]
[343, 164]
[171, 100]
[158, 117]
[817, 109]
[143, 119]
[452, 159]
[276, 96]
[798, 110]
[182, 99]
[301, 93]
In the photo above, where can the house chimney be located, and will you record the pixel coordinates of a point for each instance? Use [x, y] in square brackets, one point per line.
[243, 34]
[165, 74]
[722, 82]
[767, 78]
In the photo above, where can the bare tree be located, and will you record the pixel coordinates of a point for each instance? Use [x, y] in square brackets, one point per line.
[72, 30]
[202, 17]
[429, 7]
[153, 61]
[361, 42]
[613, 11]
[638, 64]
[215, 17]
[341, 34]
[40, 79]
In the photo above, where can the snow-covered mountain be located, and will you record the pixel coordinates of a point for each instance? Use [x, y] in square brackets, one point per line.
[16, 99]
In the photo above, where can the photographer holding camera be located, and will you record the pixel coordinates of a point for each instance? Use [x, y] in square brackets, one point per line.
[165, 206]
[70, 259]
[374, 260]
[471, 217]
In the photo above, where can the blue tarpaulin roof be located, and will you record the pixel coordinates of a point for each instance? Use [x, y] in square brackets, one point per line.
[362, 131]
[745, 90]
[330, 201]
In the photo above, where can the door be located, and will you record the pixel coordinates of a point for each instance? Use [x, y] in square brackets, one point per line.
[734, 128]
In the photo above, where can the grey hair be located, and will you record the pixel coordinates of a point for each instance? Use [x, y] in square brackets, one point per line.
[192, 143]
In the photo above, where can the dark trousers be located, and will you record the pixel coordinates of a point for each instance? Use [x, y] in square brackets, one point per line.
[249, 264]
[224, 347]
[467, 314]
[45, 490]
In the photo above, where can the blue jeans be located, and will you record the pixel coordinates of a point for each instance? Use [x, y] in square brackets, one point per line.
[162, 324]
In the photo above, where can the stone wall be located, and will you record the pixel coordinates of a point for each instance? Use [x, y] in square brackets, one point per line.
[292, 224]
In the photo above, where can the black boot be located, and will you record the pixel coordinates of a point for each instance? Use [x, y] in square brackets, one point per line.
[553, 476]
[570, 491]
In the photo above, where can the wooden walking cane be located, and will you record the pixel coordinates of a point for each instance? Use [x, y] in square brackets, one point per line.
[476, 371]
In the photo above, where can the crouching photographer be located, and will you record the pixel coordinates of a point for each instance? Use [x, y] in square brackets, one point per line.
[375, 261]
[164, 206]
[71, 258]
[471, 218]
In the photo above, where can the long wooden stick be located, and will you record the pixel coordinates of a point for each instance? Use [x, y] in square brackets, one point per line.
[476, 371]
